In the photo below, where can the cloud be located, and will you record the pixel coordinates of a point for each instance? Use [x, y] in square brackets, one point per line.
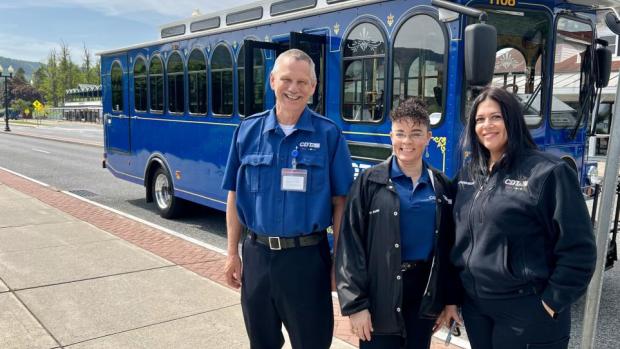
[135, 9]
[33, 49]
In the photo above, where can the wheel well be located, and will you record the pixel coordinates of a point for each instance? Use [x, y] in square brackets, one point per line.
[153, 166]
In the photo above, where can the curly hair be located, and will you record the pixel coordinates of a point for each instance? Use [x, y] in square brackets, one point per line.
[411, 110]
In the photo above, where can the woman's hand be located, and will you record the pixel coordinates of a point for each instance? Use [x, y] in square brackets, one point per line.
[361, 325]
[449, 313]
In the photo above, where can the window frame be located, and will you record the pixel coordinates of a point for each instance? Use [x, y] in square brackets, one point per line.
[386, 59]
[163, 85]
[117, 63]
[237, 81]
[140, 57]
[552, 74]
[167, 76]
[232, 72]
[206, 76]
[401, 23]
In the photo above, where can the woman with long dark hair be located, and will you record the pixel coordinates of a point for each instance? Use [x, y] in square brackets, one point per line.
[524, 245]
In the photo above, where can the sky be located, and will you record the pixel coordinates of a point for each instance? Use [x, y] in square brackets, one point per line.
[29, 29]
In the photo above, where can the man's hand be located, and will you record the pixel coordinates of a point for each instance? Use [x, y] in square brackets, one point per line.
[361, 324]
[233, 271]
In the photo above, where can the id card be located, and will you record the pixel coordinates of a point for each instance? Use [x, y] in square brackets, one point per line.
[294, 179]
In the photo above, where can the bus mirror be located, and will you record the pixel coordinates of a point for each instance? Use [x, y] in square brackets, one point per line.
[480, 48]
[613, 22]
[603, 64]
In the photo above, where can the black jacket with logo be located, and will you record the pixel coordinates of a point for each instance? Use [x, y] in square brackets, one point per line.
[368, 256]
[525, 230]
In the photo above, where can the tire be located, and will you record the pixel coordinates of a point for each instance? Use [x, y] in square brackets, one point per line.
[167, 204]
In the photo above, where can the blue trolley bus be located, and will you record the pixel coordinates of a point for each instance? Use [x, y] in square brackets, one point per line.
[171, 106]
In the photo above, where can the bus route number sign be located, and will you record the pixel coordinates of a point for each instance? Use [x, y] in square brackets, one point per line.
[510, 3]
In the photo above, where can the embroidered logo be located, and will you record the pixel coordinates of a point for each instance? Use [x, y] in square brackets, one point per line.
[374, 211]
[310, 145]
[515, 184]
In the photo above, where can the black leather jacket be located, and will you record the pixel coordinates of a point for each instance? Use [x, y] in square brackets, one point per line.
[368, 256]
[526, 230]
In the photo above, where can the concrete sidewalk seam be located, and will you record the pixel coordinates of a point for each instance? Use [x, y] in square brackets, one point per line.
[152, 324]
[93, 278]
[49, 333]
[115, 238]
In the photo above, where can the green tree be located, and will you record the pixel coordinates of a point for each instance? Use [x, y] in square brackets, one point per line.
[21, 106]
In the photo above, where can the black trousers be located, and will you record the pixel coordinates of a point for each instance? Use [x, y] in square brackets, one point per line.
[290, 287]
[418, 330]
[516, 323]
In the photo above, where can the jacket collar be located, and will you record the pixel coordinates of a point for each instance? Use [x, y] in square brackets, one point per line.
[381, 172]
[304, 122]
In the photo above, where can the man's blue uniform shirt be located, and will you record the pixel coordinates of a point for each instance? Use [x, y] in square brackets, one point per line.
[258, 153]
[417, 213]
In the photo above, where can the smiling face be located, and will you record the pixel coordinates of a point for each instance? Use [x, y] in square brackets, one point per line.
[408, 141]
[293, 85]
[491, 129]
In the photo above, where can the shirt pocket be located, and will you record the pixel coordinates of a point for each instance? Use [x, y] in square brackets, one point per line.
[315, 164]
[255, 168]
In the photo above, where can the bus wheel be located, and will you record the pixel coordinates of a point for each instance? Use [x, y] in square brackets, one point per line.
[163, 193]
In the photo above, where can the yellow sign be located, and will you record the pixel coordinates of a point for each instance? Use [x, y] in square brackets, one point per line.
[27, 111]
[38, 106]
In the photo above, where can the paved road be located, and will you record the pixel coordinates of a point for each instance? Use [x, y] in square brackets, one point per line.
[78, 169]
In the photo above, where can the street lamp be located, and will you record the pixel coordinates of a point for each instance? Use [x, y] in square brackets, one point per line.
[6, 96]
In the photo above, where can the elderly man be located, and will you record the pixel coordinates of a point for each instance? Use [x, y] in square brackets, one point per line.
[288, 173]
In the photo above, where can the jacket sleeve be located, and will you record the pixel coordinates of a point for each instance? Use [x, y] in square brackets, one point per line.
[351, 271]
[574, 249]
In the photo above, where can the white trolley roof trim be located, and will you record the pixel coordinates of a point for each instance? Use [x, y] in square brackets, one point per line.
[267, 12]
[281, 14]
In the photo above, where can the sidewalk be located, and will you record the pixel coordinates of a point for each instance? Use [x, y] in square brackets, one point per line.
[74, 275]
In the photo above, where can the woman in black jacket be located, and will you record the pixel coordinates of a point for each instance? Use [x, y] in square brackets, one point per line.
[524, 245]
[392, 260]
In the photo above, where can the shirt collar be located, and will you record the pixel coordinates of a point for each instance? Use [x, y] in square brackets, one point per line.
[396, 172]
[304, 123]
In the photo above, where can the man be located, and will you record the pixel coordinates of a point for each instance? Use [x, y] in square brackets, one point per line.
[288, 173]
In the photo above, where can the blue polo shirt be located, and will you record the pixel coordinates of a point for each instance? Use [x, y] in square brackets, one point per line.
[258, 153]
[417, 213]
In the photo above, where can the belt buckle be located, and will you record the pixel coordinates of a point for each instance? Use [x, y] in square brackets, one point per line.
[274, 243]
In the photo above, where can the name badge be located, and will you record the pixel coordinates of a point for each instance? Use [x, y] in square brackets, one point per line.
[294, 179]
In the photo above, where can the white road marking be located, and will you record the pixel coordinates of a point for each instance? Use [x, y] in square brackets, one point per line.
[127, 215]
[41, 151]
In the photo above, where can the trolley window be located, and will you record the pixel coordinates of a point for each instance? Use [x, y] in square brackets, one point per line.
[176, 83]
[571, 69]
[139, 84]
[117, 87]
[259, 79]
[221, 81]
[156, 84]
[197, 72]
[418, 69]
[363, 74]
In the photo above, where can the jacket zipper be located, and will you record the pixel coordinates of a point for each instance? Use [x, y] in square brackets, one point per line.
[471, 231]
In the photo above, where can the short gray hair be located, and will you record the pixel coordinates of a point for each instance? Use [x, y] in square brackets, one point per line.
[297, 55]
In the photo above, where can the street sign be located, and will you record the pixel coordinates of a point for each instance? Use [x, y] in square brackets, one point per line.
[38, 106]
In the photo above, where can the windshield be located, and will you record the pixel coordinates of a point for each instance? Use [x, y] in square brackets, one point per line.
[521, 46]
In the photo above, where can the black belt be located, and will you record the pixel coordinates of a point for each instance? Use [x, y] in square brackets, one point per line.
[280, 243]
[408, 265]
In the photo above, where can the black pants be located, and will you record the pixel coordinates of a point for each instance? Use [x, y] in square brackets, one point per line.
[516, 323]
[290, 287]
[418, 330]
